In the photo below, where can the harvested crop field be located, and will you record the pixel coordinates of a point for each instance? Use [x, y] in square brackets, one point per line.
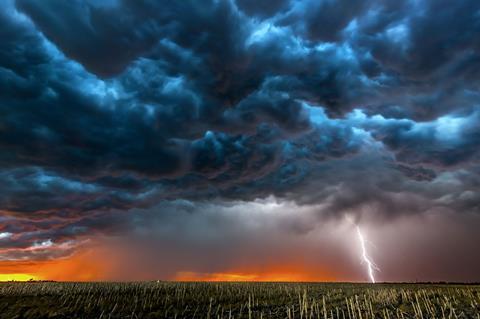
[237, 300]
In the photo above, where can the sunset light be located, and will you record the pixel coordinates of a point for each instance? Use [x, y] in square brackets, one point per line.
[17, 277]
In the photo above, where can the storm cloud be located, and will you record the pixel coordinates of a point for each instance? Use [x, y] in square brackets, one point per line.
[115, 113]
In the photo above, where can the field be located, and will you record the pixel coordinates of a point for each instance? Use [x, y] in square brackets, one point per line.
[237, 300]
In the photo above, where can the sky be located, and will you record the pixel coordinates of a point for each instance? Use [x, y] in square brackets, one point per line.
[239, 140]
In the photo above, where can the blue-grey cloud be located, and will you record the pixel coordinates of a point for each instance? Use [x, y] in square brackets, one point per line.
[107, 106]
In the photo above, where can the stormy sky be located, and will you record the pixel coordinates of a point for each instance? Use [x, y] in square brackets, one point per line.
[240, 139]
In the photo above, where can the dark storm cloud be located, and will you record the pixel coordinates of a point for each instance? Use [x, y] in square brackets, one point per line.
[447, 141]
[263, 9]
[108, 106]
[323, 21]
[430, 57]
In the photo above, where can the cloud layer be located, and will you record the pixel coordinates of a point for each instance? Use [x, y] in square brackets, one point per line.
[111, 109]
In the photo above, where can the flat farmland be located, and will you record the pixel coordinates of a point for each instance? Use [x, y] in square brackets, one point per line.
[237, 300]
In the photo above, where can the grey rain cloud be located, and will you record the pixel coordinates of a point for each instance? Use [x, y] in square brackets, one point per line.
[109, 107]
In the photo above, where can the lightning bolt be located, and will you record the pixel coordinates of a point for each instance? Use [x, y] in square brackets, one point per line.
[366, 258]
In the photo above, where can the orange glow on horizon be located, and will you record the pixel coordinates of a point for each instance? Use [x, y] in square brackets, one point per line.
[285, 273]
[214, 277]
[102, 265]
[86, 267]
[83, 266]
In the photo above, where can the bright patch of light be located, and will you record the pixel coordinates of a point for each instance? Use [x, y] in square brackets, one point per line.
[259, 33]
[5, 235]
[101, 89]
[292, 45]
[316, 114]
[371, 266]
[43, 244]
[360, 134]
[174, 84]
[357, 115]
[11, 12]
[449, 128]
[324, 46]
[346, 52]
[45, 181]
[365, 257]
[17, 277]
[269, 204]
[398, 33]
[149, 110]
[352, 27]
